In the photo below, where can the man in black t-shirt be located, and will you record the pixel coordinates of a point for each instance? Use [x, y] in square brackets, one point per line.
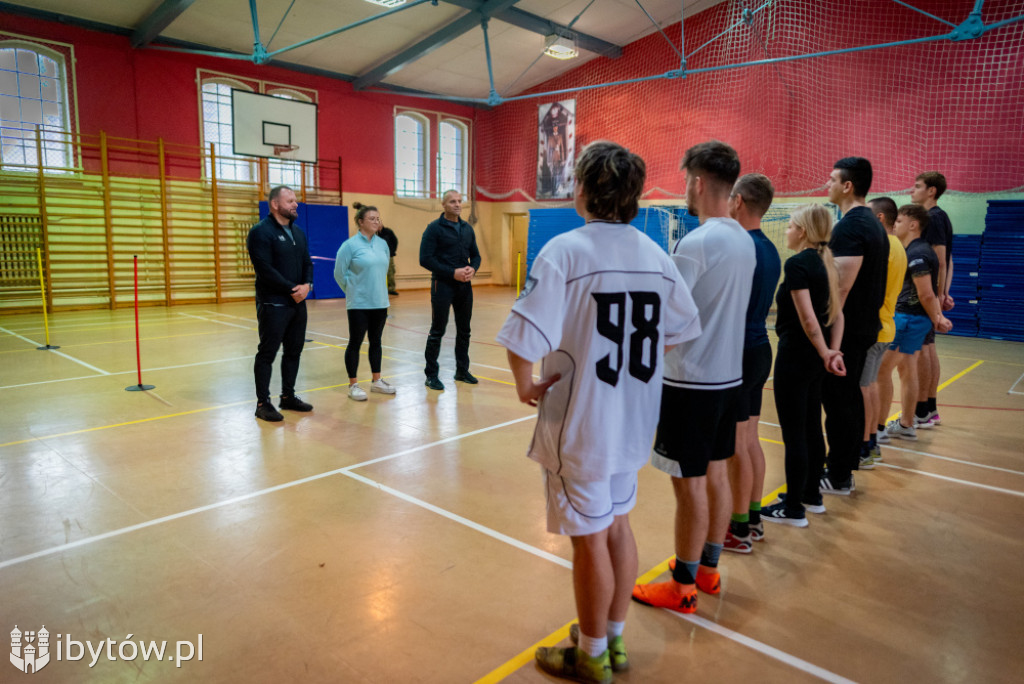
[928, 187]
[861, 251]
[918, 312]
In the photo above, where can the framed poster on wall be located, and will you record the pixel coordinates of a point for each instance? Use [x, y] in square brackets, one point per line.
[556, 150]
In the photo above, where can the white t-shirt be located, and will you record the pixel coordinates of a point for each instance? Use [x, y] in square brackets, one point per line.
[601, 303]
[717, 262]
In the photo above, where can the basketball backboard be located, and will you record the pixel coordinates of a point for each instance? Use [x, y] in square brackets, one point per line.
[268, 126]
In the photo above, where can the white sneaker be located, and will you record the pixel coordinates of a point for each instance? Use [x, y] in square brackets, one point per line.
[881, 437]
[356, 393]
[382, 386]
[895, 429]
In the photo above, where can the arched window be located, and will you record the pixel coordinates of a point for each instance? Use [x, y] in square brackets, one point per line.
[33, 97]
[452, 156]
[411, 140]
[217, 129]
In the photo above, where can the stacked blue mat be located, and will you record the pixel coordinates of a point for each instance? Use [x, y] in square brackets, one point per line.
[1001, 279]
[964, 288]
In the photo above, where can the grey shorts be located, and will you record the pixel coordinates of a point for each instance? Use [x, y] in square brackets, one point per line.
[872, 362]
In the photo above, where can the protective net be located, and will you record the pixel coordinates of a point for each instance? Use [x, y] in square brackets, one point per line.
[952, 106]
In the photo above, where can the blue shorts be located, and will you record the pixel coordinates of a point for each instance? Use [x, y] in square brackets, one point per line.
[910, 332]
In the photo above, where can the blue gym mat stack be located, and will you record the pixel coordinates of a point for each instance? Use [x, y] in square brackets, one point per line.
[1002, 272]
[964, 288]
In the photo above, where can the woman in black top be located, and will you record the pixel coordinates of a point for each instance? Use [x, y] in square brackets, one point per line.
[809, 323]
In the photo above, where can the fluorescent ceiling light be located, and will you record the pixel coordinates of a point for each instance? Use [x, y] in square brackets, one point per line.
[387, 3]
[561, 47]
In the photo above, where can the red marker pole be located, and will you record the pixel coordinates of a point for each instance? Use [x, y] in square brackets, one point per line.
[138, 354]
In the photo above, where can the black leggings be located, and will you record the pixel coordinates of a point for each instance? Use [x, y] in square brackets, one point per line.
[361, 321]
[798, 376]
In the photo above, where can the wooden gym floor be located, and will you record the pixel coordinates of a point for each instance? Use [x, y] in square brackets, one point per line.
[403, 539]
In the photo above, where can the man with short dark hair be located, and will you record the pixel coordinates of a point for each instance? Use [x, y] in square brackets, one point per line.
[448, 250]
[928, 188]
[861, 251]
[284, 277]
[697, 423]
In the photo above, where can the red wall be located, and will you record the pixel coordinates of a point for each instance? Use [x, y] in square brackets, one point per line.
[148, 94]
[957, 107]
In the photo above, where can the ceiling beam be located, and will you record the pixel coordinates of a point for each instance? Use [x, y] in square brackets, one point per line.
[536, 24]
[162, 17]
[424, 47]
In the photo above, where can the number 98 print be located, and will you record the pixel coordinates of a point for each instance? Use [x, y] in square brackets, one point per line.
[611, 323]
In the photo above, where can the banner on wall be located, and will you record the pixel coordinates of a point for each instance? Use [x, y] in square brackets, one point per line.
[556, 150]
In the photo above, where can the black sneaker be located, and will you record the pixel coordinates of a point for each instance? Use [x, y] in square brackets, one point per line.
[829, 486]
[295, 404]
[777, 513]
[266, 411]
[816, 506]
[466, 377]
[434, 383]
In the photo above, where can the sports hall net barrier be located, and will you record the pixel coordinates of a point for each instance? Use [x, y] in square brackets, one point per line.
[953, 106]
[91, 202]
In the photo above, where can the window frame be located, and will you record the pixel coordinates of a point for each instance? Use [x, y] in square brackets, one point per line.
[432, 152]
[64, 55]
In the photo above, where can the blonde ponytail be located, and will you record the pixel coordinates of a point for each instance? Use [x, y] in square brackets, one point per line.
[816, 221]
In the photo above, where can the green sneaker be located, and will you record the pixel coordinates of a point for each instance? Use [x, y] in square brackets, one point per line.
[572, 663]
[876, 453]
[616, 649]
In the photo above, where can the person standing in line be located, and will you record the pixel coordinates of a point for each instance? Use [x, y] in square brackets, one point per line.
[871, 379]
[809, 323]
[928, 188]
[751, 197]
[861, 251]
[918, 310]
[600, 305]
[448, 250]
[389, 237]
[697, 422]
[360, 269]
[284, 277]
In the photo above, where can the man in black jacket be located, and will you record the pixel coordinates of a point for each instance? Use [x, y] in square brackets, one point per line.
[389, 237]
[448, 250]
[284, 276]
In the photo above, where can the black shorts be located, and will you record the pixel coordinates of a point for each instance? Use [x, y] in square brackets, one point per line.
[695, 428]
[930, 337]
[757, 366]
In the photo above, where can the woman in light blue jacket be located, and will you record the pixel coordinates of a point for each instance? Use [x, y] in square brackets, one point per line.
[361, 270]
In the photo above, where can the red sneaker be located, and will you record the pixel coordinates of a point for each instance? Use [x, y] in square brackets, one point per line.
[681, 598]
[737, 544]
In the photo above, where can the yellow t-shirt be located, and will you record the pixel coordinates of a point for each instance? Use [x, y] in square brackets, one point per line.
[893, 285]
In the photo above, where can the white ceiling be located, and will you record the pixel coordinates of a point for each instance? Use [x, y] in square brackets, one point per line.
[457, 68]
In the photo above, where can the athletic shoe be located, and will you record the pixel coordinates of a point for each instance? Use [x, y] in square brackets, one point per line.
[923, 423]
[876, 453]
[294, 404]
[267, 412]
[867, 461]
[896, 429]
[737, 544]
[383, 386]
[433, 383]
[572, 663]
[666, 595]
[709, 582]
[934, 418]
[815, 507]
[827, 486]
[778, 513]
[466, 377]
[881, 437]
[616, 648]
[356, 393]
[756, 532]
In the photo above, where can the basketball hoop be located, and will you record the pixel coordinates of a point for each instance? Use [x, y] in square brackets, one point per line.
[285, 151]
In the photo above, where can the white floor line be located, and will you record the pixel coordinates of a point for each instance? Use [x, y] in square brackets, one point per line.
[714, 627]
[210, 320]
[953, 479]
[763, 648]
[58, 353]
[1011, 390]
[930, 455]
[245, 497]
[511, 541]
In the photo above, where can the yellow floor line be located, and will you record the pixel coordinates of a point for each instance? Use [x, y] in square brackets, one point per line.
[176, 415]
[944, 385]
